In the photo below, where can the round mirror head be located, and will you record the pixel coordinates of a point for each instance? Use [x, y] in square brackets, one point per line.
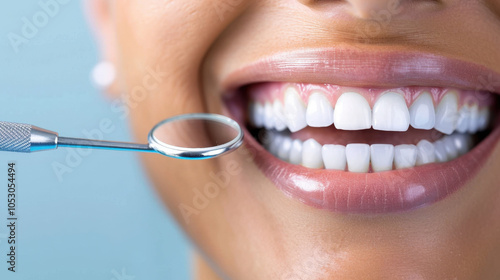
[196, 136]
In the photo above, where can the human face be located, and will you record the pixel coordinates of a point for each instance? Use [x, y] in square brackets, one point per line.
[254, 216]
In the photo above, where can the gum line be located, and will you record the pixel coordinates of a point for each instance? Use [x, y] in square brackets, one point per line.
[268, 92]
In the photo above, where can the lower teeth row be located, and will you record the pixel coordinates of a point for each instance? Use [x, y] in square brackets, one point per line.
[359, 157]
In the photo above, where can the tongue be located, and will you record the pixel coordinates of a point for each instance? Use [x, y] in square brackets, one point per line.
[331, 135]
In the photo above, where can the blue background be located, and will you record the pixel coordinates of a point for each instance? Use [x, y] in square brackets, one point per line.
[102, 220]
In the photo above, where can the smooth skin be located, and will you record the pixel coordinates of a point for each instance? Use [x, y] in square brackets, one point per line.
[249, 229]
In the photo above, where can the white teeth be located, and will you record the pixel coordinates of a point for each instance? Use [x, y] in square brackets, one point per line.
[352, 112]
[447, 113]
[422, 114]
[440, 151]
[462, 142]
[382, 157]
[296, 152]
[484, 117]
[311, 154]
[295, 110]
[405, 156]
[319, 111]
[275, 142]
[463, 119]
[256, 114]
[390, 113]
[268, 116]
[279, 116]
[425, 152]
[358, 157]
[334, 157]
[284, 149]
[450, 148]
[473, 119]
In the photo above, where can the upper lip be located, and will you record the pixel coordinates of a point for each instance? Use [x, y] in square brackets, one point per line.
[357, 67]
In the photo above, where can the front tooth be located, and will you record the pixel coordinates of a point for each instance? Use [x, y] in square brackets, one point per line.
[311, 154]
[334, 157]
[422, 114]
[352, 112]
[425, 152]
[296, 152]
[474, 119]
[450, 148]
[295, 110]
[390, 113]
[284, 149]
[319, 111]
[484, 118]
[447, 114]
[279, 116]
[358, 157]
[405, 156]
[268, 116]
[463, 119]
[382, 157]
[256, 114]
[440, 151]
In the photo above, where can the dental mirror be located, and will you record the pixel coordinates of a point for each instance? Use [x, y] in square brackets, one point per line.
[190, 136]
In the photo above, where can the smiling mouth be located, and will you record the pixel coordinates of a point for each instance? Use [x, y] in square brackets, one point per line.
[362, 148]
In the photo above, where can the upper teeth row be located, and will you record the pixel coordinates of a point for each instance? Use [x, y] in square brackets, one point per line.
[358, 157]
[352, 112]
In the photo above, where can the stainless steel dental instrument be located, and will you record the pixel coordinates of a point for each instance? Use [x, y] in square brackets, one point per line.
[190, 136]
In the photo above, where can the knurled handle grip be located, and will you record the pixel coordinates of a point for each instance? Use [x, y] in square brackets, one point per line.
[15, 137]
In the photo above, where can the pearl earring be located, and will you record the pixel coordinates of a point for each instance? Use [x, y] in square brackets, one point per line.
[103, 74]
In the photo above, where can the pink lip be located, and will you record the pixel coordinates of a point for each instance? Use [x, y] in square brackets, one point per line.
[355, 67]
[390, 191]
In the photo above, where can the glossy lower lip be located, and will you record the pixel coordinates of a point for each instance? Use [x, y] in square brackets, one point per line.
[390, 191]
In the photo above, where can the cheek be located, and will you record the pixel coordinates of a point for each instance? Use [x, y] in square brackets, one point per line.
[168, 40]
